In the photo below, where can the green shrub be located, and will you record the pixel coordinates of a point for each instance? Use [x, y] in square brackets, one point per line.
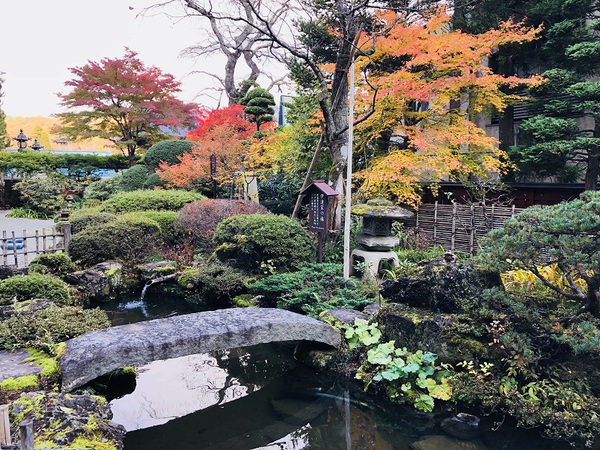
[153, 181]
[167, 151]
[128, 240]
[103, 189]
[278, 193]
[143, 200]
[82, 218]
[212, 286]
[312, 289]
[34, 286]
[44, 193]
[165, 219]
[135, 177]
[43, 328]
[264, 243]
[198, 220]
[57, 263]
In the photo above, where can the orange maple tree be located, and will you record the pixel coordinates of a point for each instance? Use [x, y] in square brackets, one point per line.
[432, 84]
[221, 132]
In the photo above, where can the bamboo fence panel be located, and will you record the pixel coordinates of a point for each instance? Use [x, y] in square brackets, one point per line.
[458, 227]
[18, 249]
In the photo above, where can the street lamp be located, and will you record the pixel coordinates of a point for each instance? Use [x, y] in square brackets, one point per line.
[36, 145]
[22, 140]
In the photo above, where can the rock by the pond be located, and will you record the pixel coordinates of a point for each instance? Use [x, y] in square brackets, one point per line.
[10, 271]
[346, 316]
[154, 270]
[438, 442]
[441, 285]
[100, 283]
[462, 426]
[61, 421]
[372, 309]
[446, 335]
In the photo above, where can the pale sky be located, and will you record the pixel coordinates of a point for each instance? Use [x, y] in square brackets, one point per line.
[41, 39]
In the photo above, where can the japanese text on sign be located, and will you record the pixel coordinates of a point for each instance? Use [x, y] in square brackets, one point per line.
[317, 212]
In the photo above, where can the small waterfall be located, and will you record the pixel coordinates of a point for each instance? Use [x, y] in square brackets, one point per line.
[146, 286]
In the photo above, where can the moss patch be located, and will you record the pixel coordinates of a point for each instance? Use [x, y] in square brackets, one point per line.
[19, 384]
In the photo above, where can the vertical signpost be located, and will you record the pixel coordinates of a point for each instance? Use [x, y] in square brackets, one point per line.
[318, 194]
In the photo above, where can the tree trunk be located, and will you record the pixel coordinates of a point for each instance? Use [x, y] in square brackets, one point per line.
[593, 165]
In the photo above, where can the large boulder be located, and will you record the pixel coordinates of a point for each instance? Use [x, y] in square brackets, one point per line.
[442, 285]
[452, 337]
[100, 283]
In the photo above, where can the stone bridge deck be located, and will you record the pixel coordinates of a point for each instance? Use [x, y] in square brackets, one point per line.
[99, 352]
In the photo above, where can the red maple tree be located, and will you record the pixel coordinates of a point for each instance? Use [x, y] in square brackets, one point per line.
[221, 132]
[123, 100]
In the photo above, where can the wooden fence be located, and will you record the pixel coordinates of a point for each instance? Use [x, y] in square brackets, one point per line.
[18, 249]
[458, 227]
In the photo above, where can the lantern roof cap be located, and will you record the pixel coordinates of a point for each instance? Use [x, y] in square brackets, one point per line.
[381, 207]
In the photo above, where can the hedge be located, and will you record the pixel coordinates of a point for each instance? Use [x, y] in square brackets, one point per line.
[143, 200]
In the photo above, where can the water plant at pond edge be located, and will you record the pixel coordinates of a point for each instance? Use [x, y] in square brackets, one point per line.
[408, 377]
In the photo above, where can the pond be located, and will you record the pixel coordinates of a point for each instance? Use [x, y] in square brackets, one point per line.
[261, 398]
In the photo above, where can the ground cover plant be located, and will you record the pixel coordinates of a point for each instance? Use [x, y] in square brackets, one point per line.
[313, 289]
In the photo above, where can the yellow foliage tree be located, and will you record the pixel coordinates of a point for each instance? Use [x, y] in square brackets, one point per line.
[432, 83]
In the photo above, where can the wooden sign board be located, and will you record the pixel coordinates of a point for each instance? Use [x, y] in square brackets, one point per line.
[318, 194]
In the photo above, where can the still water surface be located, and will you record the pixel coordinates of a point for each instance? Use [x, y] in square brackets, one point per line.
[260, 398]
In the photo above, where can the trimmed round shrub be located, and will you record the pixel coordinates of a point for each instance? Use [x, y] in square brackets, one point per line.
[34, 286]
[135, 177]
[264, 243]
[57, 263]
[198, 221]
[143, 200]
[103, 189]
[43, 328]
[166, 221]
[81, 219]
[167, 151]
[130, 241]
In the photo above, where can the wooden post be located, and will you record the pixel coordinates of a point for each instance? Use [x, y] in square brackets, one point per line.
[472, 236]
[26, 435]
[66, 232]
[4, 426]
[4, 251]
[25, 257]
[453, 235]
[435, 210]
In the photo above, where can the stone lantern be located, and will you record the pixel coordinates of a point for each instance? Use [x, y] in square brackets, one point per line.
[376, 242]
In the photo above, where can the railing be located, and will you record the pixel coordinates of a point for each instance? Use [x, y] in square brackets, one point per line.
[18, 249]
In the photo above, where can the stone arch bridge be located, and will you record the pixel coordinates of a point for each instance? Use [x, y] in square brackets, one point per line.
[96, 353]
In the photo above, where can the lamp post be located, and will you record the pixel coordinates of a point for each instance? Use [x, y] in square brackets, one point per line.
[22, 141]
[36, 145]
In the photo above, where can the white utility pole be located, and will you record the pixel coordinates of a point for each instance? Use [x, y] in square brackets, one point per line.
[348, 216]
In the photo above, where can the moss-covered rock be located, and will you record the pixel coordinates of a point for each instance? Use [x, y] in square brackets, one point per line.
[67, 421]
[452, 337]
[440, 285]
[100, 283]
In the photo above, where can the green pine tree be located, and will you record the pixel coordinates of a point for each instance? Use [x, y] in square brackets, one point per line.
[259, 103]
